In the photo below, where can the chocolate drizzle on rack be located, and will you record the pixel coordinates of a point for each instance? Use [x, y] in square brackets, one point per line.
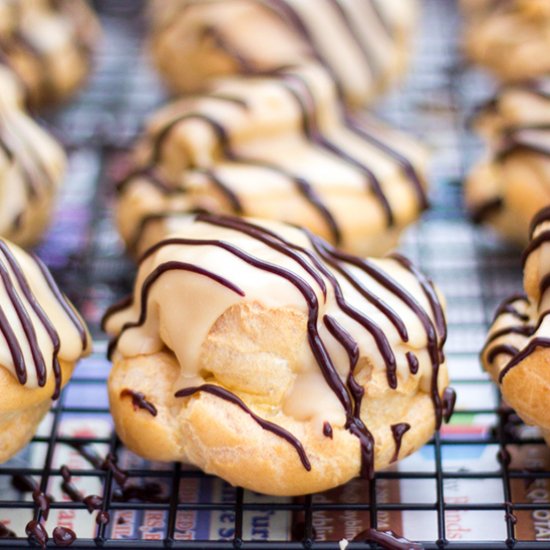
[63, 536]
[6, 533]
[320, 263]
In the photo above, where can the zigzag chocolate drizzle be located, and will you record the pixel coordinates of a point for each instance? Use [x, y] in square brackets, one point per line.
[325, 268]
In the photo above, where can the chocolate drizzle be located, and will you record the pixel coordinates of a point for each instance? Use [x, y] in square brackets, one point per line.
[512, 136]
[63, 536]
[6, 533]
[103, 518]
[42, 502]
[398, 431]
[16, 46]
[161, 270]
[507, 307]
[313, 132]
[36, 532]
[315, 262]
[534, 344]
[412, 360]
[449, 401]
[139, 401]
[406, 165]
[540, 217]
[481, 212]
[501, 349]
[265, 424]
[339, 12]
[25, 484]
[302, 185]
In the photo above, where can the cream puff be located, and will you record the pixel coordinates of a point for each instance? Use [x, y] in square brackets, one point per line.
[49, 45]
[282, 148]
[517, 351]
[512, 182]
[258, 352]
[43, 337]
[363, 44]
[508, 37]
[32, 165]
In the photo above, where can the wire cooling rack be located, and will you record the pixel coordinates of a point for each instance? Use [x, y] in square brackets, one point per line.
[484, 482]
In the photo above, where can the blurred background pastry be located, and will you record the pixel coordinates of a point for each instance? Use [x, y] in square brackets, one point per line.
[363, 44]
[281, 148]
[32, 165]
[511, 183]
[49, 45]
[517, 351]
[510, 38]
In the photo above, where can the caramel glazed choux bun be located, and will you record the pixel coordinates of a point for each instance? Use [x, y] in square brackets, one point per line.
[258, 352]
[363, 44]
[32, 166]
[517, 351]
[279, 148]
[509, 186]
[508, 37]
[49, 45]
[42, 338]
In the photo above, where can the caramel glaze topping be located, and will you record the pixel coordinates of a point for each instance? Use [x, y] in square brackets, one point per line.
[323, 277]
[520, 319]
[34, 310]
[299, 92]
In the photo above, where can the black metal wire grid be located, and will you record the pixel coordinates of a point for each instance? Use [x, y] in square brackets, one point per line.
[484, 482]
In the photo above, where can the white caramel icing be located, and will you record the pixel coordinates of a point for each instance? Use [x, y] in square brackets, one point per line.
[388, 316]
[38, 326]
